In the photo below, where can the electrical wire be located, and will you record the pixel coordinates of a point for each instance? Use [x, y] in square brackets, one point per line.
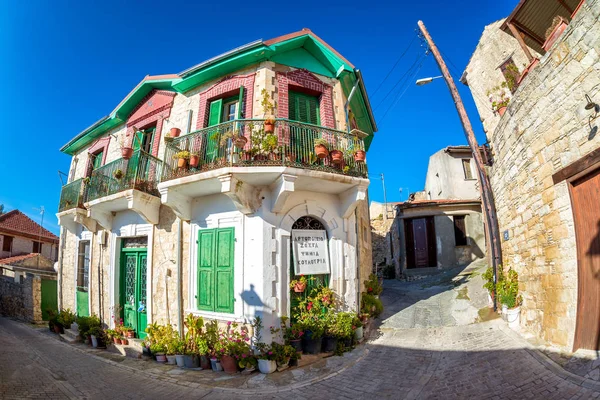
[409, 70]
[394, 66]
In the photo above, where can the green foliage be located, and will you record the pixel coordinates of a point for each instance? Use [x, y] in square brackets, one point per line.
[370, 305]
[193, 327]
[488, 276]
[118, 174]
[498, 96]
[266, 103]
[87, 324]
[182, 154]
[508, 289]
[66, 317]
[372, 285]
[389, 272]
[312, 312]
[321, 142]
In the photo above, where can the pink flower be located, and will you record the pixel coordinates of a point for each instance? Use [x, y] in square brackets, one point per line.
[309, 306]
[243, 356]
[270, 353]
[228, 323]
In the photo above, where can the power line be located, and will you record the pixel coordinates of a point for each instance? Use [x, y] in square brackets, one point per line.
[395, 64]
[410, 69]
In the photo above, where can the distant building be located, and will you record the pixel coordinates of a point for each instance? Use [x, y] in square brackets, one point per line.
[441, 226]
[20, 235]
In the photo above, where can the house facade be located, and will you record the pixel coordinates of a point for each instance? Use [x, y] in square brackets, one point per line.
[545, 172]
[442, 226]
[217, 219]
[20, 235]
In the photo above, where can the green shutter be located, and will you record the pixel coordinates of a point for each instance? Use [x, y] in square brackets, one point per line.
[303, 108]
[137, 140]
[98, 160]
[240, 103]
[206, 239]
[216, 109]
[224, 270]
[215, 269]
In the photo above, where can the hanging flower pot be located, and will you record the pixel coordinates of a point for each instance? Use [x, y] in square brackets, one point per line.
[321, 148]
[194, 160]
[300, 287]
[175, 132]
[240, 142]
[502, 110]
[127, 152]
[360, 155]
[269, 125]
[337, 157]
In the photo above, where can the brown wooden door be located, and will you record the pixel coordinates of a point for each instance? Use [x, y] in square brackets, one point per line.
[586, 210]
[421, 249]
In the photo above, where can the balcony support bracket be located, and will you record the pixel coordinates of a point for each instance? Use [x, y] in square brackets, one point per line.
[246, 197]
[101, 217]
[145, 205]
[179, 203]
[281, 191]
[350, 198]
[70, 219]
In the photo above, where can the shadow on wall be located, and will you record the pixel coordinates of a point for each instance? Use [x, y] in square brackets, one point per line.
[257, 308]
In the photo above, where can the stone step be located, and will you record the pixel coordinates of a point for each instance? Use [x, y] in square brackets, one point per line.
[68, 337]
[72, 333]
[134, 349]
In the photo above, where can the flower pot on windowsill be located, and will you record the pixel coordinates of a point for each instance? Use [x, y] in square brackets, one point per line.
[501, 110]
[174, 132]
[337, 157]
[127, 152]
[553, 37]
[321, 151]
[360, 156]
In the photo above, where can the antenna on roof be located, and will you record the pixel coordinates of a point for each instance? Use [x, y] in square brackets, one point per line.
[42, 210]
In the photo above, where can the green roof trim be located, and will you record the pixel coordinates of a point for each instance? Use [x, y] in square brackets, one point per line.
[299, 50]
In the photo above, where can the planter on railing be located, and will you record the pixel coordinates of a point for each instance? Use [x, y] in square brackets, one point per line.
[72, 195]
[140, 172]
[248, 143]
[555, 34]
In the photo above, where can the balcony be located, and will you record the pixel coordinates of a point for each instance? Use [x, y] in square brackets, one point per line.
[237, 157]
[125, 185]
[72, 195]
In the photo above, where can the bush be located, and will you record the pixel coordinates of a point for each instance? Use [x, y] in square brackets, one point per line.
[372, 285]
[370, 305]
[66, 317]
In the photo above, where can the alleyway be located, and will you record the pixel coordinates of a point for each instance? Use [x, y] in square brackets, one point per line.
[429, 349]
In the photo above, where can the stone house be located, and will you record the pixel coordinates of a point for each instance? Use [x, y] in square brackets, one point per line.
[441, 227]
[546, 157]
[222, 230]
[20, 235]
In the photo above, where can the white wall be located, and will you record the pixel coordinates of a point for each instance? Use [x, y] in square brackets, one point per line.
[446, 178]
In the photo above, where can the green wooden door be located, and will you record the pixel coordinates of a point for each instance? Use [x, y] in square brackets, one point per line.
[212, 140]
[303, 108]
[215, 269]
[133, 289]
[49, 298]
[83, 269]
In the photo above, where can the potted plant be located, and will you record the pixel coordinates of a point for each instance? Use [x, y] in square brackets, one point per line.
[124, 341]
[337, 156]
[168, 138]
[331, 333]
[360, 156]
[345, 328]
[127, 152]
[174, 132]
[499, 98]
[299, 285]
[268, 111]
[178, 349]
[128, 332]
[283, 354]
[182, 157]
[118, 174]
[488, 277]
[373, 286]
[248, 361]
[293, 336]
[86, 180]
[267, 363]
[239, 140]
[511, 300]
[194, 159]
[321, 148]
[158, 349]
[203, 350]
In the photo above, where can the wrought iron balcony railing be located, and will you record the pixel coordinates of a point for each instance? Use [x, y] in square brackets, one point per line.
[72, 195]
[141, 172]
[254, 142]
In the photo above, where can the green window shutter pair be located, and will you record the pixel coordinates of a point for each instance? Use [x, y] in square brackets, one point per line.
[303, 108]
[215, 269]
[215, 115]
[98, 160]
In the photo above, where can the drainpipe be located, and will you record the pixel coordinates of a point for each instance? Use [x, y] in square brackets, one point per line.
[357, 262]
[179, 275]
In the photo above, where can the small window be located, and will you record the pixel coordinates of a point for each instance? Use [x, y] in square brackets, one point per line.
[7, 243]
[511, 74]
[37, 247]
[230, 110]
[83, 266]
[460, 232]
[466, 163]
[148, 140]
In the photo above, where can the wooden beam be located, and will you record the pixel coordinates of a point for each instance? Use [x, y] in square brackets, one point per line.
[528, 32]
[519, 38]
[569, 9]
[577, 167]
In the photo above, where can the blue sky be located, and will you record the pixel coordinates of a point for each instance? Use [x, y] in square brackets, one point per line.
[67, 64]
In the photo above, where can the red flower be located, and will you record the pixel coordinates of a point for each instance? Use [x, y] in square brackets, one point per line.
[309, 306]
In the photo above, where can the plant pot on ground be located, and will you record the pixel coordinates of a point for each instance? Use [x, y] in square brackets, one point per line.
[124, 341]
[191, 361]
[229, 364]
[321, 148]
[180, 360]
[205, 362]
[171, 360]
[311, 345]
[215, 365]
[358, 333]
[296, 344]
[267, 366]
[329, 344]
[161, 358]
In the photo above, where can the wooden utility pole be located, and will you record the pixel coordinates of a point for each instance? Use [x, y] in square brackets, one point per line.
[487, 198]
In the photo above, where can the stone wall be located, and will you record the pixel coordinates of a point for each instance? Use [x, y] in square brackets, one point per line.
[21, 300]
[545, 129]
[380, 234]
[365, 243]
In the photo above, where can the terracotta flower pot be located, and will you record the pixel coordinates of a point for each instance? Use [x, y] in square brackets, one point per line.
[117, 340]
[229, 364]
[360, 156]
[175, 132]
[299, 287]
[337, 157]
[240, 142]
[127, 152]
[194, 161]
[502, 110]
[321, 151]
[130, 334]
[124, 341]
[269, 126]
[181, 163]
[57, 328]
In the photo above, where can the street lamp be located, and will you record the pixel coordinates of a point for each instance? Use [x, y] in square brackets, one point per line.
[425, 81]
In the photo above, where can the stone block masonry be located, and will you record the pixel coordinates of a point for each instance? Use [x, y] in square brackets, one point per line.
[21, 300]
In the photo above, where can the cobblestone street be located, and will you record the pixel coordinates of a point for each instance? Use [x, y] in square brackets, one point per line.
[428, 348]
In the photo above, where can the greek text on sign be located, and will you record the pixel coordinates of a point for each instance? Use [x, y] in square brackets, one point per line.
[311, 256]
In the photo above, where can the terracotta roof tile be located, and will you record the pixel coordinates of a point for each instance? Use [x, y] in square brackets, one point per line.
[14, 259]
[16, 222]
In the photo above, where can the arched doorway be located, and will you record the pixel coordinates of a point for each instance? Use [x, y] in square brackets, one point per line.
[306, 223]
